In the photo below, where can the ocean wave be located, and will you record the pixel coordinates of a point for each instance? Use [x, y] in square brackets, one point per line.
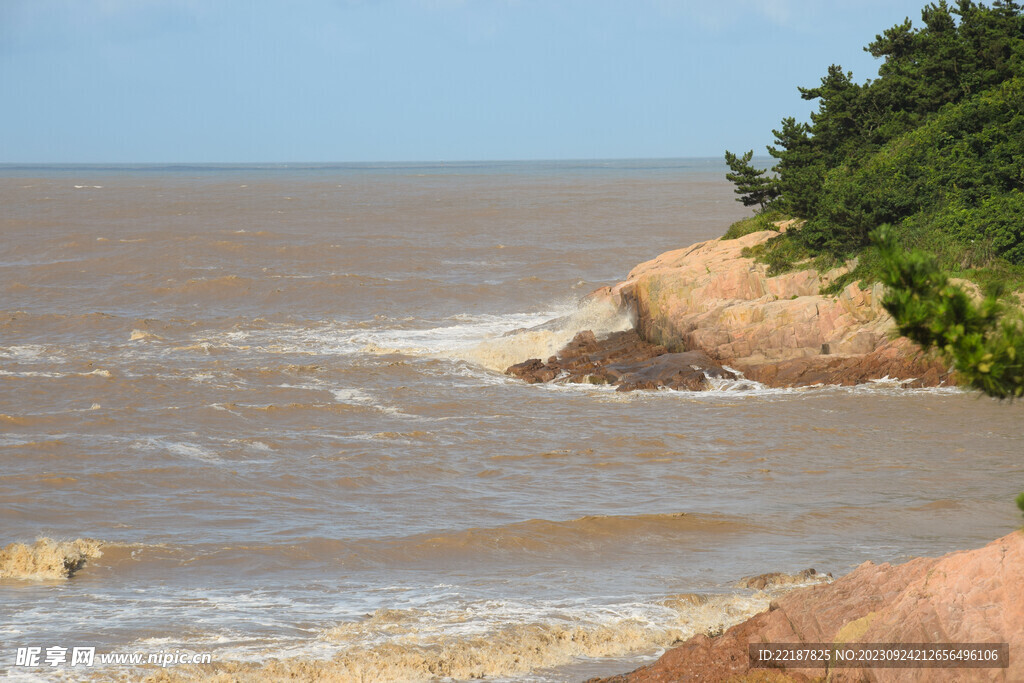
[46, 559]
[546, 339]
[741, 389]
[492, 639]
[491, 342]
[183, 449]
[220, 286]
[530, 541]
[546, 537]
[497, 341]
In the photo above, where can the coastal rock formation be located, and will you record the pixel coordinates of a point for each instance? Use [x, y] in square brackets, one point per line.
[710, 297]
[710, 300]
[624, 360]
[898, 359]
[963, 597]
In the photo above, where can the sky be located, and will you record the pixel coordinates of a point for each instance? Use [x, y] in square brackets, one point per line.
[234, 81]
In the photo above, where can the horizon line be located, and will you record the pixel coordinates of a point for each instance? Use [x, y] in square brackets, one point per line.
[308, 164]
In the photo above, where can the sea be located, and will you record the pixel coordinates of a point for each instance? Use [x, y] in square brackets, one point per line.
[274, 395]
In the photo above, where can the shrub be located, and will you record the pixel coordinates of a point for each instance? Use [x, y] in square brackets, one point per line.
[762, 221]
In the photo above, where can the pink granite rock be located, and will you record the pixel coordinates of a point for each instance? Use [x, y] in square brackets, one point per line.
[974, 596]
[779, 330]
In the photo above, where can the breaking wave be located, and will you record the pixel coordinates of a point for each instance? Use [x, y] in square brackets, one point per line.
[546, 339]
[494, 639]
[46, 559]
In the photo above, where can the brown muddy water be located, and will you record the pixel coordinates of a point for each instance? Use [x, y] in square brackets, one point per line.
[273, 394]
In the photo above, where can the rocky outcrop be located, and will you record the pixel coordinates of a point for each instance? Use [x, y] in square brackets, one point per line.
[624, 360]
[710, 297]
[964, 597]
[898, 359]
[780, 330]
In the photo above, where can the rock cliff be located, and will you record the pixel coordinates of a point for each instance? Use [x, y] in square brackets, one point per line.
[710, 297]
[778, 330]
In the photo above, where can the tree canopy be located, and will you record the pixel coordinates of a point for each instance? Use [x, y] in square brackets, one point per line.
[983, 341]
[933, 145]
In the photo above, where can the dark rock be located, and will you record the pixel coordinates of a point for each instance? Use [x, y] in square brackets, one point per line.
[533, 371]
[625, 361]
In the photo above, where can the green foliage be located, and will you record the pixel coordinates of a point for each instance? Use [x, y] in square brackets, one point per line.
[963, 170]
[782, 254]
[984, 343]
[935, 142]
[753, 185]
[757, 223]
[975, 260]
[800, 169]
[1020, 501]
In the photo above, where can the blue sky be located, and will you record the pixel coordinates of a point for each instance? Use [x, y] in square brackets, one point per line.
[112, 81]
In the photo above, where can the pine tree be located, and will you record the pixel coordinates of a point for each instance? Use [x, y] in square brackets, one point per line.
[753, 185]
[984, 342]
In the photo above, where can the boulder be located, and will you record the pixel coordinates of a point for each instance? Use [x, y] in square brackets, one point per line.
[778, 330]
[625, 361]
[709, 296]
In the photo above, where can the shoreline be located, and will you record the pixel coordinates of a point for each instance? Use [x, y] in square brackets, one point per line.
[967, 596]
[707, 313]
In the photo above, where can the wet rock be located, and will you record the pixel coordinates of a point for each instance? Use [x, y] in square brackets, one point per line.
[583, 344]
[625, 361]
[689, 370]
[533, 371]
[711, 300]
[779, 579]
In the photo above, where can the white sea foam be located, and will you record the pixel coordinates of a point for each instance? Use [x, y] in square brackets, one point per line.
[253, 444]
[722, 389]
[181, 448]
[26, 352]
[31, 373]
[441, 631]
[490, 341]
[496, 342]
[455, 638]
[351, 396]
